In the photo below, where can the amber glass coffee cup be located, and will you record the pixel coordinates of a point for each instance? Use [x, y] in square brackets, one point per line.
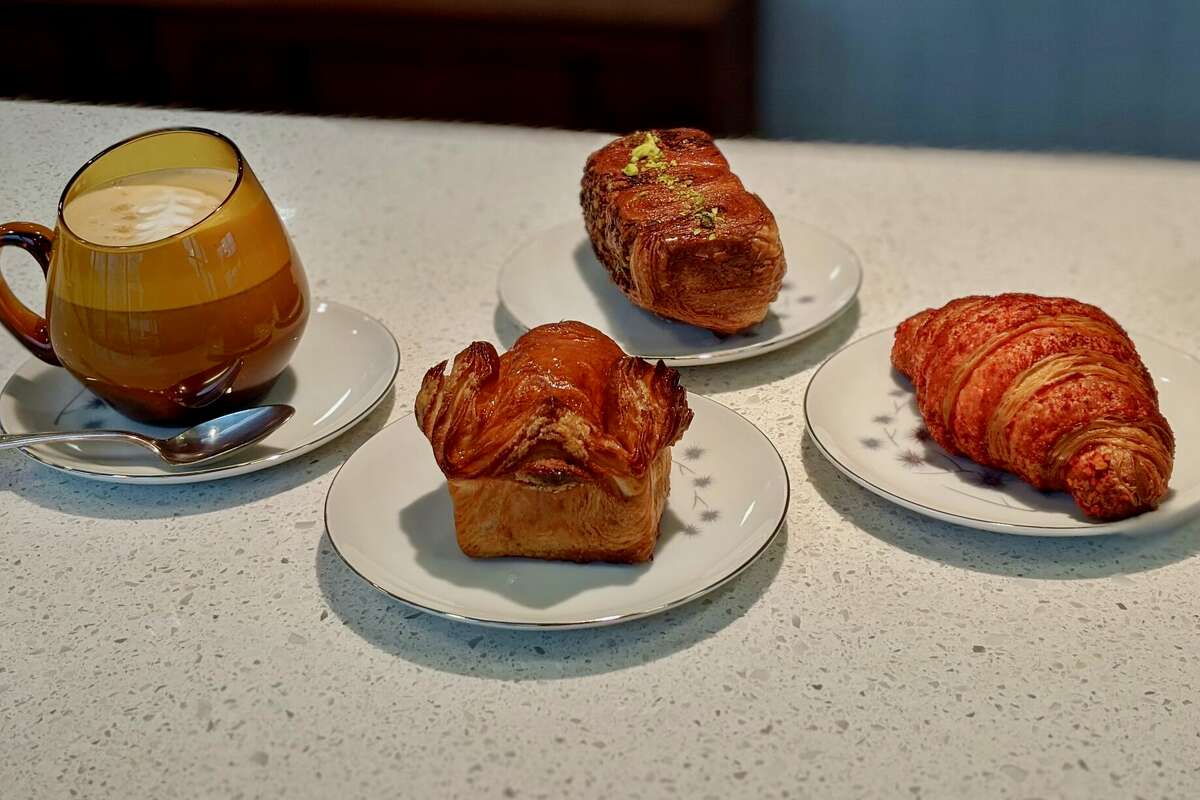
[187, 300]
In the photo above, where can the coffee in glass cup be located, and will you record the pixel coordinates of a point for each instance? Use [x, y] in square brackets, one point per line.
[174, 291]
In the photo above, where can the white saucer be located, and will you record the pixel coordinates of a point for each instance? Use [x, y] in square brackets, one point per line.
[389, 517]
[556, 276]
[343, 368]
[863, 417]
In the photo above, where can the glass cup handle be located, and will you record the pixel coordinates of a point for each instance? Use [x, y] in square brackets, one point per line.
[32, 330]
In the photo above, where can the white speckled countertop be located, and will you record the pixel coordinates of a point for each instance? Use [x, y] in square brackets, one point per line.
[203, 641]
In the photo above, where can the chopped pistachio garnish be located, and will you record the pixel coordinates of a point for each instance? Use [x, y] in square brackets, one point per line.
[649, 155]
[647, 151]
[694, 198]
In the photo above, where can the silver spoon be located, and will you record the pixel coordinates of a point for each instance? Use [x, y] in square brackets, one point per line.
[216, 437]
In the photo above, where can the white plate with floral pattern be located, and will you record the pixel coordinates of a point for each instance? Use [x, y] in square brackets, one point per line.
[555, 276]
[863, 417]
[389, 517]
[343, 368]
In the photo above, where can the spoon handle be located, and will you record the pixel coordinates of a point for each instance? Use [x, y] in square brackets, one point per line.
[26, 439]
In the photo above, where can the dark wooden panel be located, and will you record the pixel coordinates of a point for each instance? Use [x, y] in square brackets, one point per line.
[583, 65]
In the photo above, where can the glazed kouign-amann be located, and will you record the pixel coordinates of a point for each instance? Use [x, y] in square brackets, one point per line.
[558, 449]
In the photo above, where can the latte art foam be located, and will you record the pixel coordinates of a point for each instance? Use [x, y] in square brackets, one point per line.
[146, 208]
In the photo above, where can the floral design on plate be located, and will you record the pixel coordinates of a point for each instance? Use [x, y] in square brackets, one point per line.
[696, 481]
[919, 454]
[84, 411]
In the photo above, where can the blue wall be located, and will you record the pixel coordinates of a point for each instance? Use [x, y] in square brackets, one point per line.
[1112, 75]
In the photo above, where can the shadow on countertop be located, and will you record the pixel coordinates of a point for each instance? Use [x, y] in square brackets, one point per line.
[83, 497]
[494, 653]
[428, 523]
[506, 326]
[1037, 557]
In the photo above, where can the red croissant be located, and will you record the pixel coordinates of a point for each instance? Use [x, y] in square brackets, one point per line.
[1048, 388]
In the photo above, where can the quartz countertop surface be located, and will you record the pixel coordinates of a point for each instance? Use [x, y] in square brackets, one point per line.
[205, 641]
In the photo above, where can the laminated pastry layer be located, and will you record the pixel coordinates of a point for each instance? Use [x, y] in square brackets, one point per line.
[579, 522]
[678, 232]
[564, 405]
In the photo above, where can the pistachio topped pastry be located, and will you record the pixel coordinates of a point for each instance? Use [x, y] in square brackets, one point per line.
[677, 231]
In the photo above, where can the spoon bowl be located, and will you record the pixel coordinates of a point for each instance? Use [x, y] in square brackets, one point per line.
[223, 435]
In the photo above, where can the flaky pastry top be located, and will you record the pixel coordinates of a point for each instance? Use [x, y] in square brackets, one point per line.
[564, 405]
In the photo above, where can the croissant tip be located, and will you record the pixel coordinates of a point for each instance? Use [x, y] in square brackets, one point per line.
[1111, 483]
